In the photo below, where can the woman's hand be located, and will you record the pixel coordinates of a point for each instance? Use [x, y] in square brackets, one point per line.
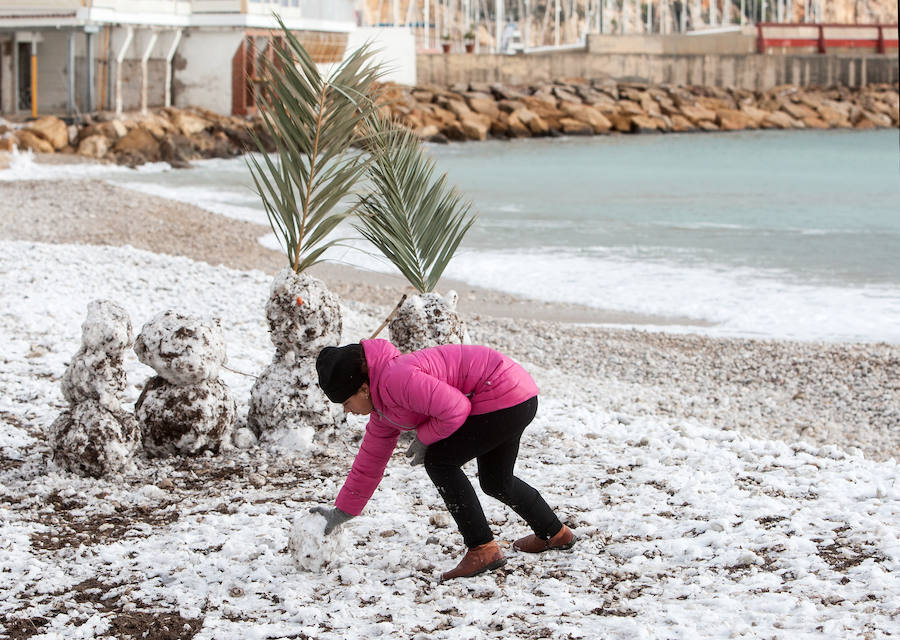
[334, 517]
[416, 452]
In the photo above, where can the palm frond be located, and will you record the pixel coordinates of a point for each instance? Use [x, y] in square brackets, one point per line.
[313, 120]
[415, 219]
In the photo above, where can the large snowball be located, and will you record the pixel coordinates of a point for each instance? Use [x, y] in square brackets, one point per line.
[93, 440]
[107, 327]
[185, 419]
[304, 316]
[286, 398]
[427, 320]
[180, 348]
[311, 549]
[94, 375]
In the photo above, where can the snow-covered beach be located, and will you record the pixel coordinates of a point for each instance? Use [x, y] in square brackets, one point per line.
[721, 488]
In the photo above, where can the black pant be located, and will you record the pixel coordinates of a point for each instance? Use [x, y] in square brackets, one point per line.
[493, 439]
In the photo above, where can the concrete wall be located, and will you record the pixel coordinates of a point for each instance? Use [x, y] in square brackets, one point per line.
[673, 44]
[395, 50]
[748, 71]
[203, 69]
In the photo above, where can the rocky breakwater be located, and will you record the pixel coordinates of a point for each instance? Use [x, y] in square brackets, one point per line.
[479, 111]
[176, 136]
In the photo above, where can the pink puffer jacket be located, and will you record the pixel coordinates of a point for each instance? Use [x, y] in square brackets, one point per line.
[432, 391]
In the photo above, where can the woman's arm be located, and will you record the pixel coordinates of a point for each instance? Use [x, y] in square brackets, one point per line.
[368, 468]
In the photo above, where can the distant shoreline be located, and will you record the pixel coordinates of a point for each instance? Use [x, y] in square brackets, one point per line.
[475, 112]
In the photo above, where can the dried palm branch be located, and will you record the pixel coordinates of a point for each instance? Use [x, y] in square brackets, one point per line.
[313, 120]
[415, 218]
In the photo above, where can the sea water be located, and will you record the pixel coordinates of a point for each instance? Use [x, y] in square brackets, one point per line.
[764, 234]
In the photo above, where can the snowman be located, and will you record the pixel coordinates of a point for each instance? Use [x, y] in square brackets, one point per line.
[186, 408]
[95, 436]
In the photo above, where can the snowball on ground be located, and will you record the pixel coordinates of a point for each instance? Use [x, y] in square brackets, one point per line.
[304, 316]
[180, 348]
[427, 320]
[311, 549]
[187, 419]
[92, 440]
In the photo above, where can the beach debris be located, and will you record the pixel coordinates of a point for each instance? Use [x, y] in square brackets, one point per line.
[427, 320]
[186, 408]
[311, 549]
[287, 406]
[95, 436]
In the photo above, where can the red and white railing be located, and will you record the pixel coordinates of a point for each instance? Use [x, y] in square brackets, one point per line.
[822, 37]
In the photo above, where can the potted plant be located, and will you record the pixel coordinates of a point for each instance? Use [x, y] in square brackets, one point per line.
[445, 42]
[417, 220]
[469, 40]
[313, 121]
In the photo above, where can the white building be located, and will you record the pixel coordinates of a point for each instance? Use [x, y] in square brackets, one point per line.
[79, 56]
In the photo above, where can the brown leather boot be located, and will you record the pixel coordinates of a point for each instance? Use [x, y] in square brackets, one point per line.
[477, 560]
[564, 539]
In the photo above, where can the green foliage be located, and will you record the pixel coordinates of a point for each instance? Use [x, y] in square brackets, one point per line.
[415, 219]
[313, 121]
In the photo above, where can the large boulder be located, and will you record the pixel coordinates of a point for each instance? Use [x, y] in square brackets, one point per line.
[138, 141]
[535, 124]
[475, 126]
[696, 113]
[95, 146]
[832, 117]
[588, 115]
[781, 120]
[797, 111]
[515, 128]
[51, 129]
[573, 127]
[28, 140]
[485, 106]
[734, 120]
[189, 124]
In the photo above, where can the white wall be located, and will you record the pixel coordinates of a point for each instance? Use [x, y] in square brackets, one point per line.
[396, 51]
[203, 69]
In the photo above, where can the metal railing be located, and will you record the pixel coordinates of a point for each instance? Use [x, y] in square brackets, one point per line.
[822, 37]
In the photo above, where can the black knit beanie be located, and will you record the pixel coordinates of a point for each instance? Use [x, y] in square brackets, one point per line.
[340, 371]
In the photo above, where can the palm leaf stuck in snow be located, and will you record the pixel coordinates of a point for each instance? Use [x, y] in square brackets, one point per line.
[313, 121]
[415, 219]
